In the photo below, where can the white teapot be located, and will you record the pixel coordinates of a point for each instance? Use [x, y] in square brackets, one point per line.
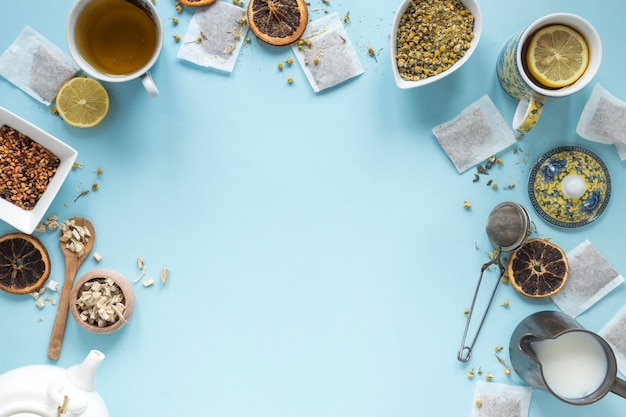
[50, 391]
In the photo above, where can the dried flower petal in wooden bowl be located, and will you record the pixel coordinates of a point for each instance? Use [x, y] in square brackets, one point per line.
[102, 301]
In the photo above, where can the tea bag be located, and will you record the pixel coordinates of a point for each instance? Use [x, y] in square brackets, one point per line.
[325, 53]
[621, 150]
[603, 118]
[36, 65]
[492, 399]
[591, 277]
[215, 35]
[614, 332]
[474, 135]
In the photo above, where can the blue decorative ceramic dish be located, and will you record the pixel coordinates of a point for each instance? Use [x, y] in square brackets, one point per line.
[569, 186]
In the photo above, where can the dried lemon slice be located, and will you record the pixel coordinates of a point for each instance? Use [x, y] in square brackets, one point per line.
[82, 102]
[196, 3]
[24, 263]
[557, 56]
[278, 22]
[538, 268]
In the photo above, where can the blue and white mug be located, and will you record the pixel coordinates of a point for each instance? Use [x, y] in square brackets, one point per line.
[517, 83]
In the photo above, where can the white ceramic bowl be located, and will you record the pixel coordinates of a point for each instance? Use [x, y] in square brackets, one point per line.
[27, 220]
[472, 5]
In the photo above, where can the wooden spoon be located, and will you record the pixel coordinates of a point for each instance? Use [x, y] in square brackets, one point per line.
[73, 261]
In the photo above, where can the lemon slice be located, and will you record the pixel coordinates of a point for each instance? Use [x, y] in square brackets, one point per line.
[557, 56]
[82, 102]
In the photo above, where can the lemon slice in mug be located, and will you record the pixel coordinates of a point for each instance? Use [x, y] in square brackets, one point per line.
[82, 102]
[557, 56]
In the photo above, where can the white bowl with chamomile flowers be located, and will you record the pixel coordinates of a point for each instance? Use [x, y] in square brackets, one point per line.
[432, 39]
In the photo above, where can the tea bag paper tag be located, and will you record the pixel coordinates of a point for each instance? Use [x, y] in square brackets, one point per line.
[493, 399]
[215, 35]
[327, 56]
[614, 332]
[603, 120]
[36, 66]
[591, 277]
[477, 133]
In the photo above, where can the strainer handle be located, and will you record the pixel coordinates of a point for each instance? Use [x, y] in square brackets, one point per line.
[465, 352]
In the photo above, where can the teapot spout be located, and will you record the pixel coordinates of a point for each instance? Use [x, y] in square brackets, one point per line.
[83, 376]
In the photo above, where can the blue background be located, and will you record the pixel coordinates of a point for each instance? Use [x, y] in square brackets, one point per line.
[320, 256]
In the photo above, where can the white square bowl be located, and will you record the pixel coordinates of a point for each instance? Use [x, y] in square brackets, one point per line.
[472, 6]
[27, 220]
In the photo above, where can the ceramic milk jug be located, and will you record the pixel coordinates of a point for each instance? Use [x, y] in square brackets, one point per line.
[50, 391]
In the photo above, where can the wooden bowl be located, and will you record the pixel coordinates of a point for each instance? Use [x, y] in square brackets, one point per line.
[121, 282]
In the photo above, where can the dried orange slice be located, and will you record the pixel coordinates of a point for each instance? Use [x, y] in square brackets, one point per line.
[196, 3]
[24, 263]
[278, 22]
[538, 268]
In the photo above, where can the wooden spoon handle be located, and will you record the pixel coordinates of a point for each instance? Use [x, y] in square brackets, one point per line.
[58, 329]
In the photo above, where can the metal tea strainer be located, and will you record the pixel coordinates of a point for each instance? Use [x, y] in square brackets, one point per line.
[508, 227]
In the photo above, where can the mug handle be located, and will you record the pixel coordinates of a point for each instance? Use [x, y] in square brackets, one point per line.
[526, 115]
[149, 85]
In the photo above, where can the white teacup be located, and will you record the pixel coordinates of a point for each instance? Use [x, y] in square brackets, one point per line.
[116, 40]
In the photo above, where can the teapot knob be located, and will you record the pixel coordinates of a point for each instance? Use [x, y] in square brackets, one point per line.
[74, 405]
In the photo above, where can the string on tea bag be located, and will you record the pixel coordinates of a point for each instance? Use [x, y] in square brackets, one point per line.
[326, 54]
[36, 66]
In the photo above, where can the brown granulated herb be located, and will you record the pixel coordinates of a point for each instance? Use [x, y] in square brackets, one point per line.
[432, 36]
[26, 168]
